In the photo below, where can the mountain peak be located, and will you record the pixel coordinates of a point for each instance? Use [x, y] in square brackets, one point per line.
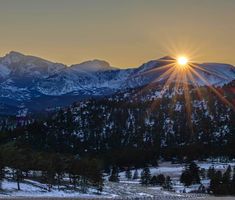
[155, 63]
[12, 57]
[15, 53]
[167, 58]
[92, 66]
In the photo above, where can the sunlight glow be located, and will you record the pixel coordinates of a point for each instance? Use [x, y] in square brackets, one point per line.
[182, 60]
[182, 74]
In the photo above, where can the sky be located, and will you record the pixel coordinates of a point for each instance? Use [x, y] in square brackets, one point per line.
[126, 33]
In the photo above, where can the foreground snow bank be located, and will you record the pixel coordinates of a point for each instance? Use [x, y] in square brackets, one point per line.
[31, 188]
[124, 189]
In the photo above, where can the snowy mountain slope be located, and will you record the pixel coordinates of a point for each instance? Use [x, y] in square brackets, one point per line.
[205, 74]
[149, 72]
[68, 81]
[217, 73]
[22, 65]
[4, 71]
[26, 78]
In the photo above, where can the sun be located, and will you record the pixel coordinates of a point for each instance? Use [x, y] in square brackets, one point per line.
[182, 60]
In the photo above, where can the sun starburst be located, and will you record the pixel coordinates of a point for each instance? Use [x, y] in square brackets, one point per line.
[182, 60]
[182, 73]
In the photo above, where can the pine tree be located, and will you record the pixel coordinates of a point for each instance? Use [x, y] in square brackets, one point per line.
[190, 175]
[83, 181]
[233, 184]
[202, 188]
[168, 183]
[94, 174]
[18, 164]
[145, 176]
[215, 182]
[114, 177]
[186, 178]
[153, 181]
[73, 169]
[98, 181]
[128, 174]
[50, 171]
[18, 177]
[161, 179]
[136, 174]
[2, 173]
[211, 172]
[227, 175]
[194, 170]
[203, 173]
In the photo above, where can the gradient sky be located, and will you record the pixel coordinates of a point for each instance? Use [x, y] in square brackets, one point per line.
[125, 33]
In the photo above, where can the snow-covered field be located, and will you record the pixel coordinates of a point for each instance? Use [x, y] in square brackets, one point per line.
[175, 170]
[124, 189]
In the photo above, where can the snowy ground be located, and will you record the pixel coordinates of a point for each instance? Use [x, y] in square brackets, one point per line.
[122, 190]
[175, 170]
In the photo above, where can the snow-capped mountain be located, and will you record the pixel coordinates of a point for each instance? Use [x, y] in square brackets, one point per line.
[32, 80]
[18, 65]
[92, 83]
[92, 66]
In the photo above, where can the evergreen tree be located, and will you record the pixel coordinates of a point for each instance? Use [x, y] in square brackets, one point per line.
[136, 174]
[233, 184]
[211, 172]
[83, 182]
[18, 161]
[114, 177]
[98, 181]
[93, 173]
[186, 178]
[73, 169]
[190, 175]
[168, 183]
[128, 173]
[194, 170]
[145, 176]
[49, 168]
[215, 182]
[202, 189]
[18, 177]
[203, 173]
[2, 172]
[222, 184]
[227, 175]
[161, 179]
[154, 181]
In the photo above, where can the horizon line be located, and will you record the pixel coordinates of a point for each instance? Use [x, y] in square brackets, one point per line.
[100, 59]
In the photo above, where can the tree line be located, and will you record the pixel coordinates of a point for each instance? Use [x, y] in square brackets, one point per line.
[51, 167]
[220, 183]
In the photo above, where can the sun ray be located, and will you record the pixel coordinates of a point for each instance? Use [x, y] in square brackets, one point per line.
[155, 69]
[214, 90]
[164, 75]
[201, 96]
[187, 101]
[182, 74]
[210, 72]
[195, 84]
[173, 73]
[176, 87]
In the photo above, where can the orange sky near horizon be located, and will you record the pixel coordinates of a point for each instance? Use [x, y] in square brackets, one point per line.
[124, 33]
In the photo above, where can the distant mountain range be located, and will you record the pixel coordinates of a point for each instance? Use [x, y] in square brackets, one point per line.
[34, 84]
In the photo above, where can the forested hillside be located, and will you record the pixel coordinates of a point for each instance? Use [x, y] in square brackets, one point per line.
[121, 128]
